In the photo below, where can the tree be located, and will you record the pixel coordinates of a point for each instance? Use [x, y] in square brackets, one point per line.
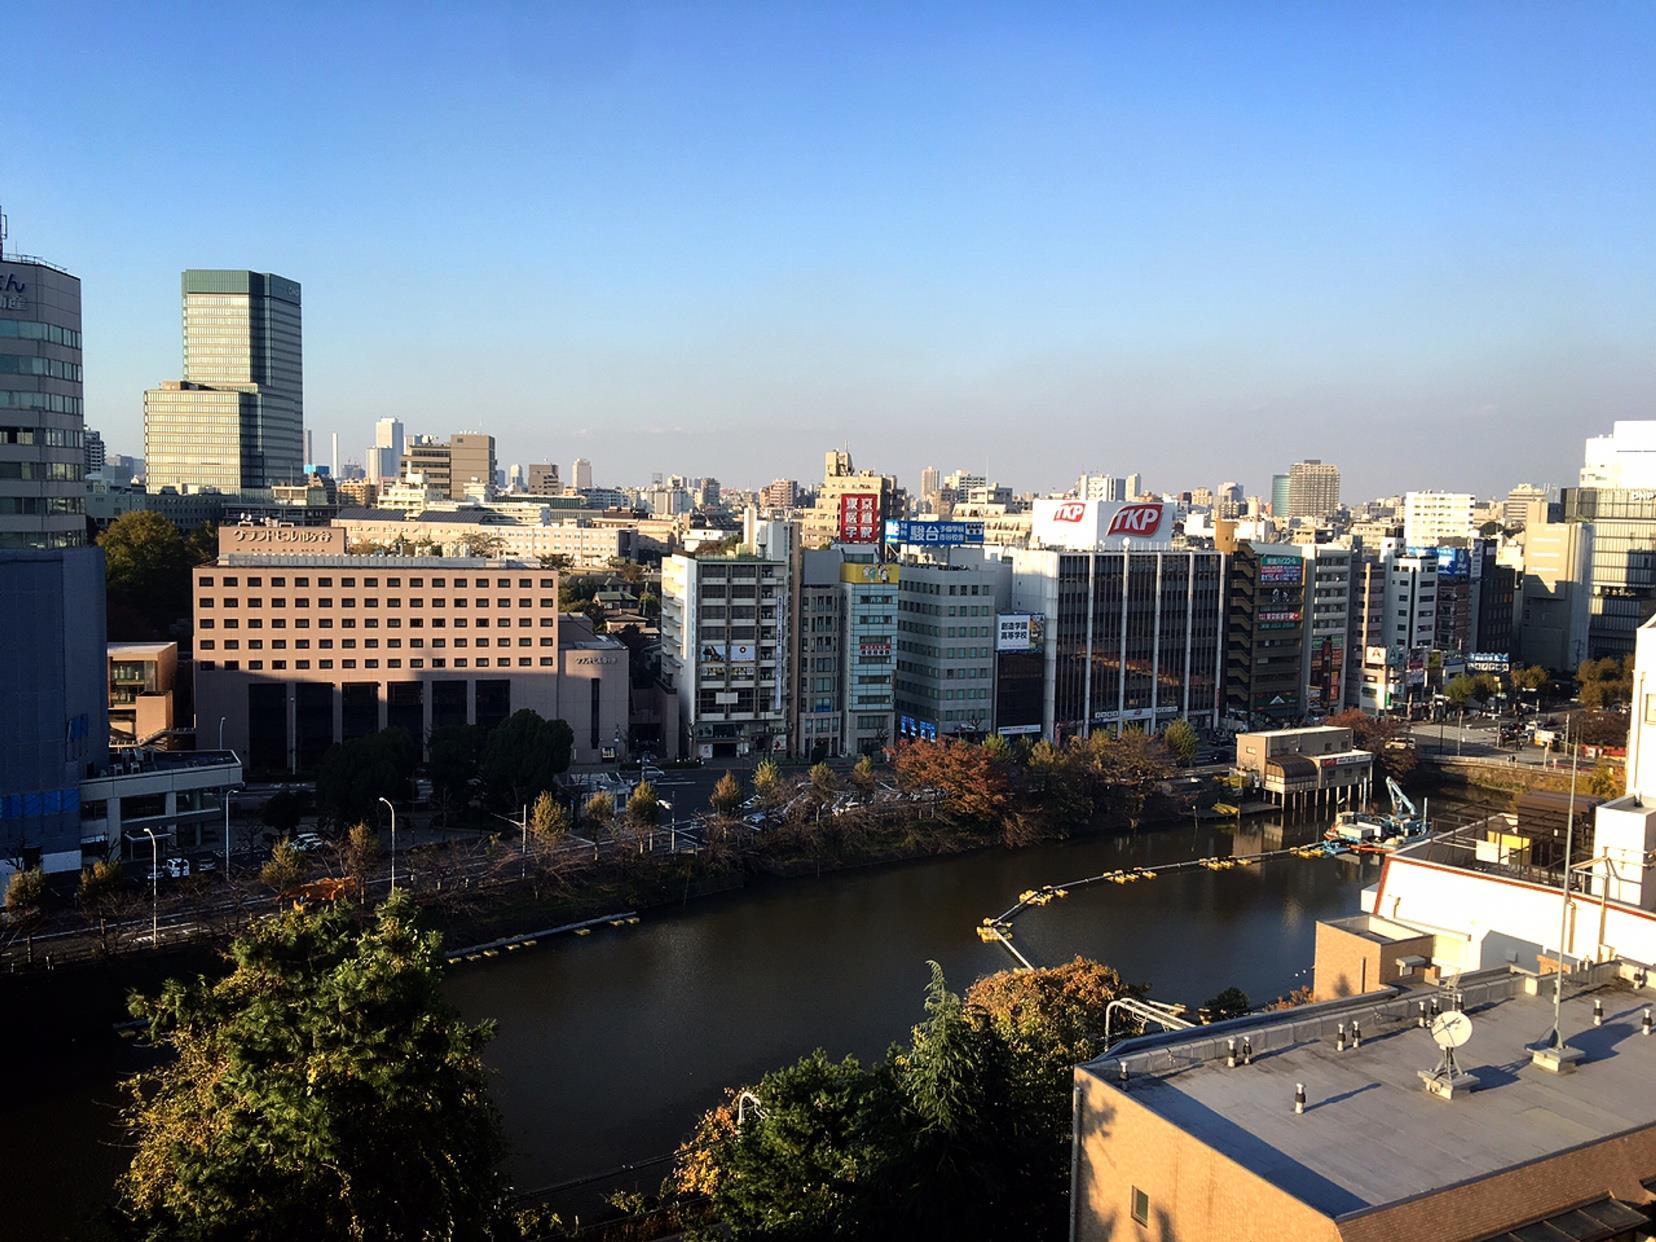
[1532, 678]
[282, 811]
[970, 785]
[100, 884]
[356, 774]
[862, 773]
[525, 753]
[1231, 1003]
[727, 795]
[1461, 690]
[146, 575]
[599, 810]
[1607, 780]
[1387, 737]
[1129, 767]
[201, 544]
[283, 869]
[358, 854]
[322, 1088]
[455, 759]
[556, 561]
[644, 807]
[26, 896]
[824, 784]
[1180, 738]
[548, 821]
[1606, 682]
[767, 782]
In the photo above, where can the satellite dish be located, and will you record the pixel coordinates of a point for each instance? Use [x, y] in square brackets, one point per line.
[1451, 1029]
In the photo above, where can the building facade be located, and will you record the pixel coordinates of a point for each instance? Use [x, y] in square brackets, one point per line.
[1431, 518]
[235, 422]
[1623, 552]
[1313, 489]
[944, 679]
[1265, 653]
[42, 432]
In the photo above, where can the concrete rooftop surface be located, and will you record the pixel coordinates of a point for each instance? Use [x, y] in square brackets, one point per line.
[1371, 1135]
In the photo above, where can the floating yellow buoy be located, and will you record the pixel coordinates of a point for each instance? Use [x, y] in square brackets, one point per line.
[583, 931]
[633, 922]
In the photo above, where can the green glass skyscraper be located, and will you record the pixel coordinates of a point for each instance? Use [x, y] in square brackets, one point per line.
[235, 422]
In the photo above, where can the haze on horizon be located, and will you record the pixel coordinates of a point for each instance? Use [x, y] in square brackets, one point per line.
[1198, 242]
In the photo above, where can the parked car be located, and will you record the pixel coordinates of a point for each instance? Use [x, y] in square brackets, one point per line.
[170, 869]
[307, 842]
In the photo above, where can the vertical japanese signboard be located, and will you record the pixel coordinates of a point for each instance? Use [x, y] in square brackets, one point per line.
[859, 517]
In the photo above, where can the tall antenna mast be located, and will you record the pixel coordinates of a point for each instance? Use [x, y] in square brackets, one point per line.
[4, 232]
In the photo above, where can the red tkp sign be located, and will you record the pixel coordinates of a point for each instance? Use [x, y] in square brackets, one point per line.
[1070, 511]
[1136, 520]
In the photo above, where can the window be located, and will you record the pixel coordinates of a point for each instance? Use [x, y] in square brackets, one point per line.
[1141, 1207]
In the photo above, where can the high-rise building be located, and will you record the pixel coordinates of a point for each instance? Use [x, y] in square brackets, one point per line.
[42, 444]
[1515, 509]
[310, 448]
[96, 456]
[1265, 633]
[841, 479]
[1105, 487]
[385, 457]
[1313, 489]
[779, 494]
[1279, 495]
[1431, 518]
[471, 462]
[235, 421]
[1135, 486]
[944, 681]
[1624, 458]
[1554, 609]
[931, 482]
[580, 474]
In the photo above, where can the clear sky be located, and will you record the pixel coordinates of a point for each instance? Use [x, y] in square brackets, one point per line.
[1198, 241]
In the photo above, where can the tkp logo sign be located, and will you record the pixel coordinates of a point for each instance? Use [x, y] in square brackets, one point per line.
[1070, 511]
[1136, 520]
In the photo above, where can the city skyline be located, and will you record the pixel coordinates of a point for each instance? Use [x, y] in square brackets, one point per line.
[1198, 246]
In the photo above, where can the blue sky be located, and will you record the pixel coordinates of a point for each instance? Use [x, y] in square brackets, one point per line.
[1198, 241]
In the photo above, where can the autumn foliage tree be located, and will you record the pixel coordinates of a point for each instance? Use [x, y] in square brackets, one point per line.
[971, 786]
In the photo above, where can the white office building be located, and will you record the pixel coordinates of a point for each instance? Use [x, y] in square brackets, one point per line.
[1433, 518]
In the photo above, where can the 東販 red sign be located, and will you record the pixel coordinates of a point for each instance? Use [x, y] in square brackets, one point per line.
[859, 517]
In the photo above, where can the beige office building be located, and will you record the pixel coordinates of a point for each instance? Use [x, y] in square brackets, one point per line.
[300, 645]
[1313, 489]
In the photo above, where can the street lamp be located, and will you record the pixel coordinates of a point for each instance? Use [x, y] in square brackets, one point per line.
[221, 732]
[393, 811]
[155, 885]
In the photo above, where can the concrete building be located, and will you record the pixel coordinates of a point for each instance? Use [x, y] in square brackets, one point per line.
[1265, 654]
[543, 480]
[1313, 489]
[385, 456]
[142, 681]
[822, 522]
[1515, 508]
[54, 703]
[1432, 518]
[96, 456]
[846, 640]
[1327, 627]
[580, 474]
[1623, 574]
[1130, 638]
[300, 645]
[944, 681]
[43, 453]
[1279, 496]
[455, 466]
[726, 633]
[1626, 458]
[235, 421]
[514, 532]
[1555, 595]
[176, 795]
[1312, 767]
[1103, 487]
[1309, 1137]
[931, 484]
[819, 654]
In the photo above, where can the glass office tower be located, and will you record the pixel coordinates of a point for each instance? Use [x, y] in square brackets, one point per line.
[235, 422]
[42, 446]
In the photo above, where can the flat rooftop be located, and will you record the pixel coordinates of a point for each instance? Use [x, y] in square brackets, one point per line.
[1371, 1135]
[139, 650]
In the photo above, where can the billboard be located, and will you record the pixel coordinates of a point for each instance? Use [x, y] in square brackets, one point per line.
[867, 573]
[729, 653]
[867, 647]
[859, 517]
[1488, 662]
[1020, 631]
[1451, 562]
[1283, 570]
[1083, 525]
[1283, 619]
[940, 534]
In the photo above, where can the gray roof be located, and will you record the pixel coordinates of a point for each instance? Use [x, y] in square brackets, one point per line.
[1370, 1134]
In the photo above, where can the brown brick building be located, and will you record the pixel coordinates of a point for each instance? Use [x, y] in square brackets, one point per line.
[299, 645]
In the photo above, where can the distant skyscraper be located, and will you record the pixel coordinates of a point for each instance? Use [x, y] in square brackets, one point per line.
[385, 457]
[236, 420]
[543, 479]
[580, 474]
[96, 457]
[1105, 487]
[310, 447]
[42, 447]
[1279, 495]
[1135, 486]
[1516, 508]
[1313, 489]
[931, 482]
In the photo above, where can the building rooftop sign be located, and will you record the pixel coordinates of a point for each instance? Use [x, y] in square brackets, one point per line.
[282, 540]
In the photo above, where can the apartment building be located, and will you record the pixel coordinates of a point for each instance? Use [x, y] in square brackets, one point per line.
[1431, 518]
[944, 679]
[526, 533]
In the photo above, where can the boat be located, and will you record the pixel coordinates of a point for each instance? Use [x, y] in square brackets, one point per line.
[1372, 830]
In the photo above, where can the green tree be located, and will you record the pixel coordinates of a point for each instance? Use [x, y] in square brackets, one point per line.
[1231, 1003]
[1461, 690]
[356, 774]
[358, 855]
[282, 811]
[1180, 738]
[644, 807]
[201, 544]
[548, 821]
[862, 773]
[1532, 678]
[824, 784]
[283, 869]
[1387, 737]
[767, 782]
[1607, 780]
[146, 575]
[323, 1088]
[525, 753]
[100, 884]
[455, 758]
[727, 795]
[556, 561]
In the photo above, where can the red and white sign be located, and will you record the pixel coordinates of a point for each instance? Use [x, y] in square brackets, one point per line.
[859, 517]
[1141, 521]
[1083, 525]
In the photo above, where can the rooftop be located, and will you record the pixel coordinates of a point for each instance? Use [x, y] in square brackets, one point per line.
[1371, 1135]
[138, 651]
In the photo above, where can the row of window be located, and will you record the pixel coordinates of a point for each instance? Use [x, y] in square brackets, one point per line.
[31, 330]
[48, 471]
[51, 402]
[28, 364]
[231, 601]
[368, 623]
[15, 506]
[349, 644]
[51, 437]
[253, 580]
[231, 666]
